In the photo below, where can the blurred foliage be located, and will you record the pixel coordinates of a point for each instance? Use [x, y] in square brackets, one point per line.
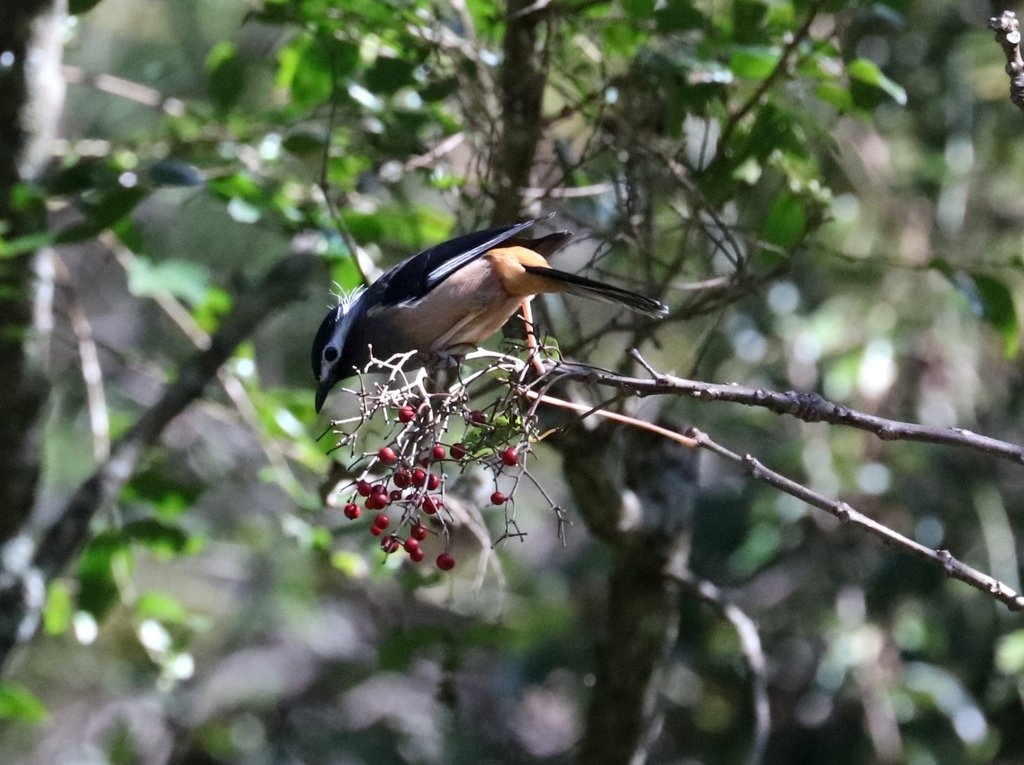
[834, 207]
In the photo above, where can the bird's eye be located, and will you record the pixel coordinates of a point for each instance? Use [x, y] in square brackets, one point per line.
[330, 354]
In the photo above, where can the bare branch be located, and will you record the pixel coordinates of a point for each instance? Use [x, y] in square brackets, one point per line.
[126, 89]
[847, 515]
[806, 406]
[750, 646]
[1007, 29]
[92, 372]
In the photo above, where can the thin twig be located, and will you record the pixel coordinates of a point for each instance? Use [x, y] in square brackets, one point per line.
[780, 68]
[364, 264]
[92, 372]
[127, 89]
[847, 515]
[750, 647]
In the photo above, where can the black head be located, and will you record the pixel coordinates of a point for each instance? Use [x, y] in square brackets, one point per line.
[321, 341]
[335, 355]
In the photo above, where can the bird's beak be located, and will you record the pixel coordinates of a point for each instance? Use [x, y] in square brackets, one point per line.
[323, 389]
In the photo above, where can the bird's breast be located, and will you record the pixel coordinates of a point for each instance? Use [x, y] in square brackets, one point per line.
[462, 311]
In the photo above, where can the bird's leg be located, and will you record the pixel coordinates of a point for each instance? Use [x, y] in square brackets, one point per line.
[532, 345]
[446, 359]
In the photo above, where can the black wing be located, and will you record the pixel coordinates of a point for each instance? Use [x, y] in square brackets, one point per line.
[413, 278]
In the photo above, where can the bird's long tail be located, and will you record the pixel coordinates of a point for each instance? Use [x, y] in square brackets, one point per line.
[584, 287]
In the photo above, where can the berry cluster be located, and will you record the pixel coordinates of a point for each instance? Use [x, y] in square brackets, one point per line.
[407, 478]
[432, 434]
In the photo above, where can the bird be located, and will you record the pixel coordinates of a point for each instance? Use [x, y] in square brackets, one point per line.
[448, 299]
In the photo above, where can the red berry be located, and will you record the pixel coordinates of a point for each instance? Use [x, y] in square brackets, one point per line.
[419, 477]
[445, 561]
[387, 454]
[352, 511]
[458, 451]
[381, 521]
[395, 495]
[389, 544]
[497, 498]
[401, 478]
[437, 452]
[417, 555]
[376, 531]
[406, 414]
[376, 501]
[419, 532]
[363, 488]
[433, 481]
[477, 417]
[429, 505]
[510, 457]
[411, 545]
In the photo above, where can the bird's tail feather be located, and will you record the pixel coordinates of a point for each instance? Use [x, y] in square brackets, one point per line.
[584, 287]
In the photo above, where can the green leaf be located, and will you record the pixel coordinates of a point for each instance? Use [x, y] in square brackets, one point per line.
[786, 222]
[58, 609]
[82, 174]
[388, 75]
[834, 94]
[867, 71]
[754, 63]
[748, 20]
[1010, 653]
[305, 68]
[161, 607]
[21, 245]
[638, 9]
[180, 278]
[98, 590]
[108, 209]
[999, 311]
[154, 486]
[227, 75]
[988, 297]
[241, 185]
[678, 15]
[305, 142]
[18, 703]
[158, 536]
[76, 7]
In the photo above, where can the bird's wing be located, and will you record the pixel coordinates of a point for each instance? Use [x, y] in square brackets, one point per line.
[413, 278]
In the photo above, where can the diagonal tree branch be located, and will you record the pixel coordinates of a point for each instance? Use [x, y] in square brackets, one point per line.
[846, 514]
[29, 567]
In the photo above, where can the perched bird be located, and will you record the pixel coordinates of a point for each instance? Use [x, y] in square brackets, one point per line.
[449, 299]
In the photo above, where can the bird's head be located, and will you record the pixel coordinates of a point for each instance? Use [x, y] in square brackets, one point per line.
[336, 354]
